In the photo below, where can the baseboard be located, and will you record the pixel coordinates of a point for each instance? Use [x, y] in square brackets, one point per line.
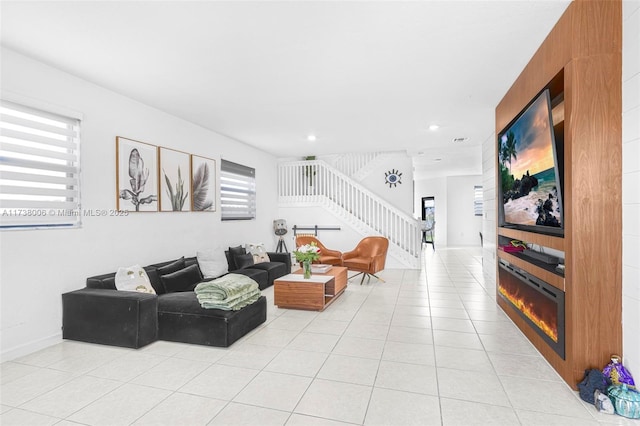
[30, 347]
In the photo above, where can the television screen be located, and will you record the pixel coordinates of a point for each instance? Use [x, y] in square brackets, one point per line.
[529, 171]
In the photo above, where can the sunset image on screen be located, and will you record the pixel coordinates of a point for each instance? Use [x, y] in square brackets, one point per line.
[528, 170]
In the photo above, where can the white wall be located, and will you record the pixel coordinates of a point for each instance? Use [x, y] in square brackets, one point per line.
[463, 227]
[400, 195]
[489, 224]
[39, 265]
[630, 184]
[456, 224]
[344, 240]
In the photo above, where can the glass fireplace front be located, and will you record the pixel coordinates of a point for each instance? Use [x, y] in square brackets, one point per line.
[540, 304]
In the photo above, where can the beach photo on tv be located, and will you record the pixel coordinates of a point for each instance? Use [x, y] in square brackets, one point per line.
[528, 168]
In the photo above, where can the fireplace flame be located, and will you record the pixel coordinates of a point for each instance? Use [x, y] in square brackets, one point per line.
[520, 303]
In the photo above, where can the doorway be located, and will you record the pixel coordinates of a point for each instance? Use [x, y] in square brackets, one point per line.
[428, 221]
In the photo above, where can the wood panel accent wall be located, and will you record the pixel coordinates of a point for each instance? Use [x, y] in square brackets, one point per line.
[586, 46]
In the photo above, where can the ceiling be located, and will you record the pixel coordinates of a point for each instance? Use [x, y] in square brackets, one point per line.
[360, 75]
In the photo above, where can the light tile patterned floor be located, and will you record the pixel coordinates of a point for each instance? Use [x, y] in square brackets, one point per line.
[428, 347]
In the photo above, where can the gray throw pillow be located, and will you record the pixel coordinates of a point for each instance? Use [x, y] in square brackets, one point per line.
[172, 267]
[243, 260]
[233, 252]
[184, 279]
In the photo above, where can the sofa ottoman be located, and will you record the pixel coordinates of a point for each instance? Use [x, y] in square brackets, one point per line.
[182, 319]
[108, 317]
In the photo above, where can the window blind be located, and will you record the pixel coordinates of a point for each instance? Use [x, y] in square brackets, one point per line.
[237, 191]
[39, 168]
[477, 200]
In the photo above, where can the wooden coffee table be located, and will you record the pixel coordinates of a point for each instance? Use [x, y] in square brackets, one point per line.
[292, 291]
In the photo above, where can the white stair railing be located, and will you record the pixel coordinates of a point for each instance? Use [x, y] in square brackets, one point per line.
[351, 163]
[305, 182]
[359, 165]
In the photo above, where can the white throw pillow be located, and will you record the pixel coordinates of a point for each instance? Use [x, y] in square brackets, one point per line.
[258, 251]
[133, 278]
[213, 262]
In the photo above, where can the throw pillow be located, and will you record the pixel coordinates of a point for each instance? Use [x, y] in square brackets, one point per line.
[233, 252]
[172, 267]
[133, 278]
[259, 252]
[184, 279]
[213, 263]
[243, 260]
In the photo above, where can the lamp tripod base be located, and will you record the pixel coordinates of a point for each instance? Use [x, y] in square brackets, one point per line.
[282, 247]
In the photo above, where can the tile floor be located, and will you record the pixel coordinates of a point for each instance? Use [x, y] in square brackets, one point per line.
[428, 347]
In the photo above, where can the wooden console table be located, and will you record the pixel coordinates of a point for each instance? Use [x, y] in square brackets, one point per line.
[292, 291]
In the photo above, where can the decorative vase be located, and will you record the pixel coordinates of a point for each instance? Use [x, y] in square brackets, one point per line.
[625, 400]
[306, 268]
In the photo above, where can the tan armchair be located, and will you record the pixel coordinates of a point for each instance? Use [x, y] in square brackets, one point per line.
[368, 258]
[327, 256]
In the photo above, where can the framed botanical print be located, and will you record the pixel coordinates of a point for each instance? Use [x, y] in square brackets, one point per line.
[203, 184]
[175, 195]
[136, 175]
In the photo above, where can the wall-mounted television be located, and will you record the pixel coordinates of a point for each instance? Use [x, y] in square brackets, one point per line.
[531, 170]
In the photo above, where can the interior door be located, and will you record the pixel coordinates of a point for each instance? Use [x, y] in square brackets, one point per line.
[428, 220]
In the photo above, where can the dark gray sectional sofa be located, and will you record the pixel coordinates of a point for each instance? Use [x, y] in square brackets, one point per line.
[101, 314]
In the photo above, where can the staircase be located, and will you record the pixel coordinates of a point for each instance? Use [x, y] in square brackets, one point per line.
[316, 183]
[358, 165]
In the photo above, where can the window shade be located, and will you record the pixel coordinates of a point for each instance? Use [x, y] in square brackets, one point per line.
[477, 200]
[237, 191]
[39, 168]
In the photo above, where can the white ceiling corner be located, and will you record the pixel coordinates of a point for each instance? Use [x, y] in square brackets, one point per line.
[361, 75]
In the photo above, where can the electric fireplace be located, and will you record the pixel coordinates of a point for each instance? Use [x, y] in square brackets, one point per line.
[540, 304]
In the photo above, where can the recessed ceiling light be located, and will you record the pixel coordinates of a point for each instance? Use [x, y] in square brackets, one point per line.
[311, 138]
[434, 127]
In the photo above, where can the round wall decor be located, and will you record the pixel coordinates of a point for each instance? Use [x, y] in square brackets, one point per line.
[393, 177]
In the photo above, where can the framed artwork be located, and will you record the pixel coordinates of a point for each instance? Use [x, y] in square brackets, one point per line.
[175, 195]
[203, 184]
[136, 175]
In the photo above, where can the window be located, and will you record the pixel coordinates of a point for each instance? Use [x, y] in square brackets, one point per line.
[237, 191]
[477, 200]
[39, 168]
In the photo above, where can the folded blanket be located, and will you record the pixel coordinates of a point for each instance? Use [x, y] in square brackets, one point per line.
[230, 292]
[234, 305]
[226, 287]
